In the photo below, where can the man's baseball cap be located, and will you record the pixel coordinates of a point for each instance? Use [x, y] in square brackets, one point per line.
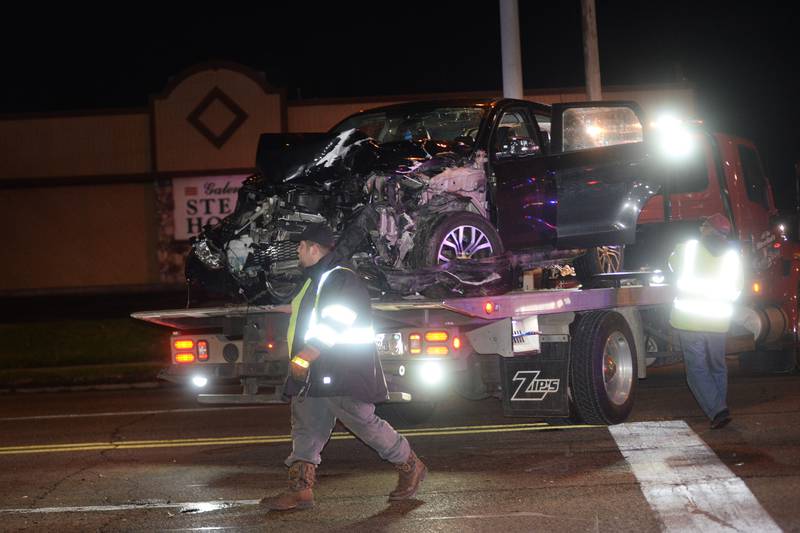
[719, 222]
[319, 233]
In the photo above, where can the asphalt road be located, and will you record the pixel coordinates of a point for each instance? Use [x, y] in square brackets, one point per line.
[154, 460]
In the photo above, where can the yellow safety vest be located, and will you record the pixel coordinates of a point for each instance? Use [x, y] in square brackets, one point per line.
[707, 285]
[299, 298]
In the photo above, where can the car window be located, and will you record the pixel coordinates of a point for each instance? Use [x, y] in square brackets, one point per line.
[753, 176]
[438, 123]
[514, 123]
[593, 127]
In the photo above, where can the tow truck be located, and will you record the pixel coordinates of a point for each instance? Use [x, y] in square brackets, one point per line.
[565, 352]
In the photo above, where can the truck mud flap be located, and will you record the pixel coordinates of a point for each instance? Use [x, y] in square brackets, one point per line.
[536, 385]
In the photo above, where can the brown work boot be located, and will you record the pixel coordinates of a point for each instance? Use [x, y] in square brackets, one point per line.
[299, 494]
[412, 472]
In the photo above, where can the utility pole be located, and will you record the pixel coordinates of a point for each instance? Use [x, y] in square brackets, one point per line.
[510, 47]
[591, 55]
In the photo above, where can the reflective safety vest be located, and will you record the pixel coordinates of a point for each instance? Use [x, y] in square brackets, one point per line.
[334, 325]
[707, 285]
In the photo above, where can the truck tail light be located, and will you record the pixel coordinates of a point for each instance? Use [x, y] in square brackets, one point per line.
[437, 350]
[456, 343]
[185, 344]
[436, 336]
[202, 350]
[415, 343]
[184, 358]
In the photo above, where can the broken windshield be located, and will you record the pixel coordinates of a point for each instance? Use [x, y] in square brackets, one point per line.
[440, 123]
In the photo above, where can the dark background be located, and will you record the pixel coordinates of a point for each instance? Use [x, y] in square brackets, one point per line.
[742, 59]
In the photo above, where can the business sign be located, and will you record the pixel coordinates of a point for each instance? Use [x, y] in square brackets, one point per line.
[201, 201]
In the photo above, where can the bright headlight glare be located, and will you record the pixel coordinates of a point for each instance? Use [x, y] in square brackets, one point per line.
[431, 373]
[675, 140]
[199, 381]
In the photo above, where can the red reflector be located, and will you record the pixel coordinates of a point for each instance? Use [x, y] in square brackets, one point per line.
[456, 343]
[185, 344]
[184, 358]
[592, 182]
[436, 336]
[776, 245]
[202, 350]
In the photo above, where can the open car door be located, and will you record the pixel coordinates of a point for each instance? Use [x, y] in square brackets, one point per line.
[590, 186]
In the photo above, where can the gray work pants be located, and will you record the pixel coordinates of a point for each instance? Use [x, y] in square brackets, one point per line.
[313, 420]
[706, 373]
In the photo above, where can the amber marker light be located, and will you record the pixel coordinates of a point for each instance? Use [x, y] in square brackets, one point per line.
[756, 287]
[488, 307]
[437, 350]
[456, 343]
[185, 344]
[184, 358]
[436, 336]
[270, 345]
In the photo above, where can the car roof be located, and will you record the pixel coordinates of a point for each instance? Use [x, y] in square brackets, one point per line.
[452, 102]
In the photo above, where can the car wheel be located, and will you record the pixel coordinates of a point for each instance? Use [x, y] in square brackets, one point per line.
[603, 368]
[599, 260]
[459, 236]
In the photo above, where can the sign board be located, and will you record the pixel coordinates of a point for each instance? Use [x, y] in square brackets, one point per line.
[203, 200]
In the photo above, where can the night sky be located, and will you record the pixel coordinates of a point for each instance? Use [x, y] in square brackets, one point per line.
[742, 58]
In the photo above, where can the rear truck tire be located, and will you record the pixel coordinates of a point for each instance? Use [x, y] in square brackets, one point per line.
[599, 260]
[603, 368]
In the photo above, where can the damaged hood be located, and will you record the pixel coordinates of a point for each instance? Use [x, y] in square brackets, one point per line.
[316, 158]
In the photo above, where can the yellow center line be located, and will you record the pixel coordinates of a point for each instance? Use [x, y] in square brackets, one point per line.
[269, 439]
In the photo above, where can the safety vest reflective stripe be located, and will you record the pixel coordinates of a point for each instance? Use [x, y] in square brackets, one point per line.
[342, 315]
[293, 319]
[707, 297]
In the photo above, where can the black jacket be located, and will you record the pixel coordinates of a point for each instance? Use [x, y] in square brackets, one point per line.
[344, 368]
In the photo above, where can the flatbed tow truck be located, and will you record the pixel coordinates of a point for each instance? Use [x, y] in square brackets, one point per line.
[562, 353]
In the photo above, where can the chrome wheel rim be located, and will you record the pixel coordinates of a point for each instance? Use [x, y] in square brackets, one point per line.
[464, 242]
[617, 368]
[609, 258]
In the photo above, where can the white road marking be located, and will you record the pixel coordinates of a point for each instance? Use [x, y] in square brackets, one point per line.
[130, 413]
[185, 507]
[685, 482]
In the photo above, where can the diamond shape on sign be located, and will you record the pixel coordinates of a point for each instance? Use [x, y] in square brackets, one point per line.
[217, 107]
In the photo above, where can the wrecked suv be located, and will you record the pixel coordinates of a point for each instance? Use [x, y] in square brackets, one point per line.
[437, 198]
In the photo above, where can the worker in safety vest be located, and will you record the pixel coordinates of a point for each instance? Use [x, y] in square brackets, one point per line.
[335, 374]
[708, 279]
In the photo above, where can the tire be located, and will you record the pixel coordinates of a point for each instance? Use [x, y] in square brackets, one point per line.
[599, 260]
[460, 235]
[603, 368]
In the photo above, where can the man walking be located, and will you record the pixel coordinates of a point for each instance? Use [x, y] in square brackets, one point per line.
[709, 280]
[335, 373]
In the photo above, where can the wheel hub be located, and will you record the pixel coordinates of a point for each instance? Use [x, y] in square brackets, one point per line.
[464, 242]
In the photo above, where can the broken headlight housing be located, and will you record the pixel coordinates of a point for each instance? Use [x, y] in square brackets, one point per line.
[208, 254]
